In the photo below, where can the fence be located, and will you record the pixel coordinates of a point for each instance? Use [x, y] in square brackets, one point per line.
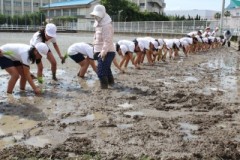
[169, 27]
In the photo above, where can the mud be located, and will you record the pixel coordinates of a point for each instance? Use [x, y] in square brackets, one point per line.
[183, 109]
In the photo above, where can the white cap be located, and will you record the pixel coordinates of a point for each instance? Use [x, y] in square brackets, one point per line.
[216, 28]
[201, 31]
[99, 11]
[42, 49]
[51, 30]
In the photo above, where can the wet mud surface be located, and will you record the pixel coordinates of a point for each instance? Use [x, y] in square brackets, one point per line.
[188, 108]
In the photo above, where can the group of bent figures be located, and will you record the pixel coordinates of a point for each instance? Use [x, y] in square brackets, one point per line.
[16, 58]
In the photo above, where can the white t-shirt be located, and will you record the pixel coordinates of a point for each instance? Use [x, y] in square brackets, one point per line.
[206, 34]
[169, 43]
[129, 46]
[83, 48]
[36, 39]
[143, 43]
[212, 39]
[191, 34]
[205, 39]
[187, 39]
[19, 52]
[198, 38]
[161, 43]
[177, 42]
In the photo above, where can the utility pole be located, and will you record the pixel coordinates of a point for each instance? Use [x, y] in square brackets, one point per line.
[222, 15]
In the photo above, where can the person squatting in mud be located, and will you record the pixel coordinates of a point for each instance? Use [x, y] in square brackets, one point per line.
[15, 59]
[82, 53]
[47, 35]
[104, 48]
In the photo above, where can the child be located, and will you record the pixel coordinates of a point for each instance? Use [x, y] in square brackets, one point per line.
[47, 35]
[103, 45]
[78, 52]
[125, 49]
[15, 59]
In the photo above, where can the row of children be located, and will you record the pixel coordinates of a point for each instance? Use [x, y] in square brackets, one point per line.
[16, 58]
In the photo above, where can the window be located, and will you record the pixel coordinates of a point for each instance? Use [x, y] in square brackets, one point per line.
[7, 3]
[66, 12]
[27, 3]
[58, 12]
[73, 12]
[142, 5]
[36, 4]
[17, 4]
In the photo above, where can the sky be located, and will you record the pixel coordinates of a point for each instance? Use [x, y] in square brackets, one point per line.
[195, 4]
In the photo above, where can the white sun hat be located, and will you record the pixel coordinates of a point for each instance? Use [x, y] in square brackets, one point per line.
[99, 11]
[42, 49]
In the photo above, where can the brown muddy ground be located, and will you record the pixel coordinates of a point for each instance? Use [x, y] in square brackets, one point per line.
[187, 108]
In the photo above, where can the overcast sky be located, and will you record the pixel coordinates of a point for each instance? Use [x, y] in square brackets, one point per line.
[195, 4]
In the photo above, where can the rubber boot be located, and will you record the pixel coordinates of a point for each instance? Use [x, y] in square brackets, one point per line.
[110, 80]
[229, 44]
[104, 82]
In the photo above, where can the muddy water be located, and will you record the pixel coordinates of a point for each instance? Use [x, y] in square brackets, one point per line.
[170, 111]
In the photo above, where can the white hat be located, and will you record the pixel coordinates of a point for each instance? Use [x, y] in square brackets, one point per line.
[216, 28]
[51, 30]
[42, 49]
[99, 11]
[201, 31]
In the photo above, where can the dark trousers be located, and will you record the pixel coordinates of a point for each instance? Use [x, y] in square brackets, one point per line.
[104, 65]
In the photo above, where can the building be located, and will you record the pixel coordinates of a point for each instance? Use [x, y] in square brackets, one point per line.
[21, 7]
[80, 9]
[150, 5]
[234, 8]
[204, 14]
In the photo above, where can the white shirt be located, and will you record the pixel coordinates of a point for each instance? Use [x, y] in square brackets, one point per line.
[129, 46]
[143, 43]
[19, 52]
[169, 43]
[82, 48]
[36, 39]
[187, 39]
[198, 38]
[191, 34]
[161, 43]
[177, 42]
[206, 34]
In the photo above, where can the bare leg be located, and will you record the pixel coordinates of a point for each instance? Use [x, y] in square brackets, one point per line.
[14, 77]
[53, 62]
[23, 79]
[84, 66]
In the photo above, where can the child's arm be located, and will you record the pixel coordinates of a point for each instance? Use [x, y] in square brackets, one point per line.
[117, 65]
[27, 74]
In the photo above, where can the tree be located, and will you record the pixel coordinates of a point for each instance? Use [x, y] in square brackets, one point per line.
[217, 15]
[129, 10]
[227, 13]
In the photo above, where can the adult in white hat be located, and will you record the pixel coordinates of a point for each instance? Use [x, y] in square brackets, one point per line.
[103, 45]
[47, 35]
[16, 58]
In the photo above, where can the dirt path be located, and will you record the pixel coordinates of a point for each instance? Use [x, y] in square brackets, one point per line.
[183, 109]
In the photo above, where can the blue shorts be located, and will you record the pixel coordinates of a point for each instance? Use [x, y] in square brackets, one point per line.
[6, 63]
[77, 57]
